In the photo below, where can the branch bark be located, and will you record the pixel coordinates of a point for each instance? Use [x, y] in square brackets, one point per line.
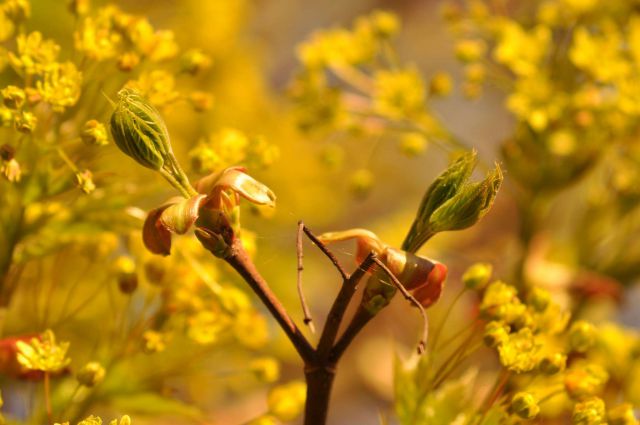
[240, 261]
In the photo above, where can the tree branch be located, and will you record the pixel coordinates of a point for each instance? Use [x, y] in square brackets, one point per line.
[339, 307]
[326, 251]
[240, 261]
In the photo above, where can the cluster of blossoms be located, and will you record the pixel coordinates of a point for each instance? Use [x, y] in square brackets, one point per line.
[568, 72]
[352, 82]
[228, 147]
[53, 125]
[52, 99]
[590, 368]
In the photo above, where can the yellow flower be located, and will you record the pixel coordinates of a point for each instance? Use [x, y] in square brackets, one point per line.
[61, 85]
[43, 353]
[521, 50]
[287, 401]
[34, 54]
[96, 37]
[398, 94]
[519, 353]
[590, 411]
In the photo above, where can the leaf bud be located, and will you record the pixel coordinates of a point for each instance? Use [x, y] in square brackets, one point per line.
[477, 276]
[468, 206]
[444, 187]
[139, 130]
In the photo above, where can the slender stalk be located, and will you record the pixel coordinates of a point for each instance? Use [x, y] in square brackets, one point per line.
[438, 330]
[308, 320]
[47, 396]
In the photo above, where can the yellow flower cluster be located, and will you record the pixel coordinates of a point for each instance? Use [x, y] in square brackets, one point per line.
[230, 146]
[570, 73]
[532, 336]
[352, 81]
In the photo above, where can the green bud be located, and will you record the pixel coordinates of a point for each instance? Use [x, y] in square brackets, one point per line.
[582, 336]
[139, 130]
[470, 204]
[91, 374]
[477, 276]
[444, 187]
[552, 363]
[622, 415]
[525, 405]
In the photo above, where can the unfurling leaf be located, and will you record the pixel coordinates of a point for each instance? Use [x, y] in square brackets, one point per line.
[179, 217]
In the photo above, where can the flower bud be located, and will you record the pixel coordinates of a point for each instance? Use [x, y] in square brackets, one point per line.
[589, 411]
[539, 299]
[94, 133]
[477, 276]
[440, 84]
[385, 24]
[194, 61]
[286, 402]
[91, 374]
[470, 50]
[128, 61]
[25, 122]
[552, 363]
[13, 97]
[524, 405]
[584, 381]
[622, 415]
[84, 180]
[79, 7]
[265, 369]
[582, 336]
[126, 274]
[153, 342]
[139, 130]
[495, 333]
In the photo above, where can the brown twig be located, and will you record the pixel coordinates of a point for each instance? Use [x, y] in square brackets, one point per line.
[422, 343]
[308, 320]
[240, 261]
[326, 251]
[339, 307]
